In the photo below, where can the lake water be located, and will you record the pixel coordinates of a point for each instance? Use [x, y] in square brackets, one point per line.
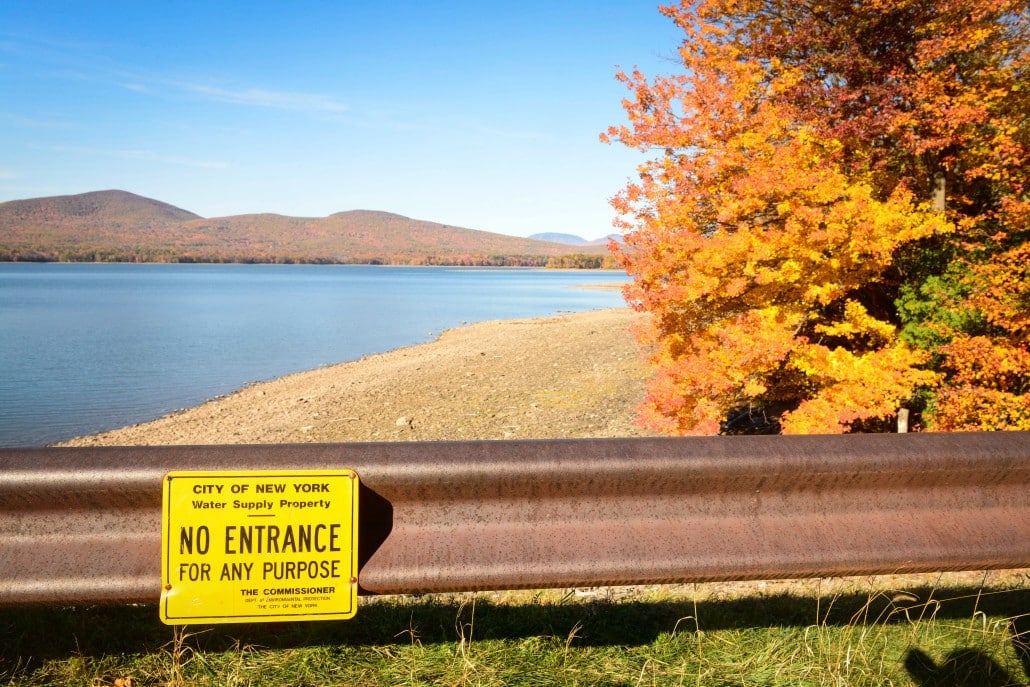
[89, 347]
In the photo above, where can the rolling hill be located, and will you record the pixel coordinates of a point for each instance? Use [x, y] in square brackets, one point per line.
[117, 208]
[121, 226]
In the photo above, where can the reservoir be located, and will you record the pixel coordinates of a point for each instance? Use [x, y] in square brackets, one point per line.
[90, 347]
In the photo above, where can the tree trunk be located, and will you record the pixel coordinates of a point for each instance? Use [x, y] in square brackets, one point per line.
[939, 186]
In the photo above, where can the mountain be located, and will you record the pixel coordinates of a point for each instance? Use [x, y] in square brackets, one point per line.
[573, 240]
[568, 239]
[95, 208]
[121, 226]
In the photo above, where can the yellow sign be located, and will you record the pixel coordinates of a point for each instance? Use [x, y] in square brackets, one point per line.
[259, 546]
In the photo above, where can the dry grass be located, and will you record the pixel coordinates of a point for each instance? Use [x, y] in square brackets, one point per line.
[937, 635]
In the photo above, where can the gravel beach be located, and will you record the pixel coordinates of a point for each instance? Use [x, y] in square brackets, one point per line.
[571, 376]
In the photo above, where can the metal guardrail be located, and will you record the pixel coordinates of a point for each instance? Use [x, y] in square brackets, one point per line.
[83, 525]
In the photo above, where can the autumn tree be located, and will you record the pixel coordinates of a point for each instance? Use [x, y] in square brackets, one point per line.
[812, 163]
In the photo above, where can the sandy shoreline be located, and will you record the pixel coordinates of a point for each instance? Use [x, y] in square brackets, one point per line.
[572, 376]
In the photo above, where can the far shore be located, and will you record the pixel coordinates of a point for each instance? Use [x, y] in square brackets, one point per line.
[572, 376]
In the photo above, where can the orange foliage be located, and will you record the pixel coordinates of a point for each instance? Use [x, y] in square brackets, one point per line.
[764, 231]
[989, 376]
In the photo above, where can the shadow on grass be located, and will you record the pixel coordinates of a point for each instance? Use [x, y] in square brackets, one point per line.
[961, 668]
[43, 633]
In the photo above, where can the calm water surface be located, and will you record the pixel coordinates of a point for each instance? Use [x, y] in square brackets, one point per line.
[85, 347]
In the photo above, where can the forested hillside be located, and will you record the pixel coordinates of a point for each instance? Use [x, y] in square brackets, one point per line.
[119, 226]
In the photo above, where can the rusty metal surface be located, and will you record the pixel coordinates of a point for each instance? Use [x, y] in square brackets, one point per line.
[83, 525]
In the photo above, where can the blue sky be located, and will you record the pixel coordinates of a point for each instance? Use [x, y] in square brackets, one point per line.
[482, 115]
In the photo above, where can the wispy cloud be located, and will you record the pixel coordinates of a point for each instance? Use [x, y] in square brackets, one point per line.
[260, 97]
[147, 155]
[403, 121]
[18, 120]
[88, 62]
[137, 87]
[513, 134]
[33, 43]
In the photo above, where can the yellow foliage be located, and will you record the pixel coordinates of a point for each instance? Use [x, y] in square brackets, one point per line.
[857, 323]
[764, 240]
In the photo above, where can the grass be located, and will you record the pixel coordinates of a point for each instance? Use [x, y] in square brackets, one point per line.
[939, 636]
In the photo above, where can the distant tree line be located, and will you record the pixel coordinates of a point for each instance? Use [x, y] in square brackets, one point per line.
[583, 261]
[128, 255]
